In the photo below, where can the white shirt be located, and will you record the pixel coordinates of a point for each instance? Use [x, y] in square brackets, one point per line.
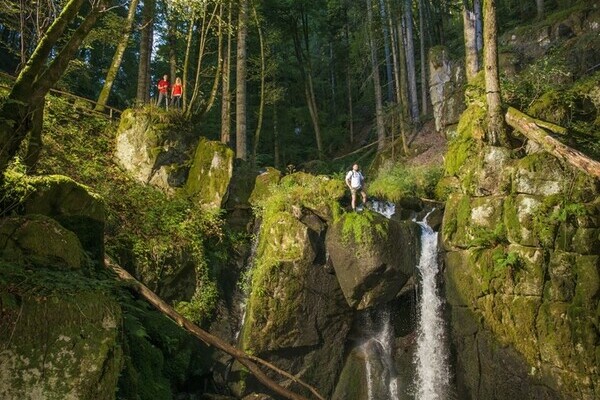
[356, 178]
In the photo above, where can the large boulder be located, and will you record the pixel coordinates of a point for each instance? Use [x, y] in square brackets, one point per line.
[73, 205]
[39, 241]
[154, 147]
[296, 316]
[59, 345]
[373, 257]
[446, 88]
[210, 174]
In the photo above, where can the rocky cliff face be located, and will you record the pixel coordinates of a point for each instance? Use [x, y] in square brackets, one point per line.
[521, 231]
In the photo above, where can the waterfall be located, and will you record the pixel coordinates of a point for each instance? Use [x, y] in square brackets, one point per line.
[378, 347]
[433, 371]
[245, 283]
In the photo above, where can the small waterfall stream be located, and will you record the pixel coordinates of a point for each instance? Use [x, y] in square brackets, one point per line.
[433, 371]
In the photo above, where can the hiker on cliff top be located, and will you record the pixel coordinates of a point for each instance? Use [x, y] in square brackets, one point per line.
[356, 182]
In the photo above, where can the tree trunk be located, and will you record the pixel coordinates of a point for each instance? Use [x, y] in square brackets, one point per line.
[34, 146]
[117, 58]
[186, 60]
[246, 360]
[410, 62]
[424, 86]
[404, 102]
[376, 81]
[540, 8]
[386, 48]
[147, 36]
[225, 85]
[478, 27]
[496, 132]
[276, 145]
[21, 110]
[533, 130]
[470, 35]
[171, 39]
[217, 77]
[240, 92]
[261, 106]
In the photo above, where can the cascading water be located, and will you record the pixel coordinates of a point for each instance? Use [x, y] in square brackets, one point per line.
[382, 379]
[433, 371]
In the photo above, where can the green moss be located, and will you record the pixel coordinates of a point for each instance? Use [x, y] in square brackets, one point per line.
[360, 228]
[459, 151]
[263, 185]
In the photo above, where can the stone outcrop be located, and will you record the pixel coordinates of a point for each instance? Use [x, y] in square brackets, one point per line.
[39, 241]
[73, 205]
[59, 346]
[373, 257]
[522, 272]
[446, 88]
[154, 148]
[210, 173]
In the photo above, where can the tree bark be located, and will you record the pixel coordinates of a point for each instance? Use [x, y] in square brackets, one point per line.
[410, 62]
[424, 85]
[240, 92]
[261, 106]
[403, 102]
[171, 39]
[380, 125]
[34, 146]
[386, 48]
[496, 132]
[478, 27]
[143, 83]
[540, 8]
[117, 58]
[225, 85]
[470, 36]
[186, 60]
[208, 104]
[246, 360]
[276, 145]
[534, 130]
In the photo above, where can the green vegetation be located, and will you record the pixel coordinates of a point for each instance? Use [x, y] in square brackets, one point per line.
[397, 181]
[361, 228]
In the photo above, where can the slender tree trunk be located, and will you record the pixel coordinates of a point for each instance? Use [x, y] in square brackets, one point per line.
[143, 83]
[208, 104]
[349, 80]
[117, 58]
[496, 131]
[34, 146]
[401, 108]
[404, 103]
[386, 48]
[470, 35]
[261, 106]
[276, 144]
[240, 92]
[424, 86]
[410, 62]
[376, 81]
[540, 8]
[171, 38]
[186, 60]
[225, 86]
[478, 28]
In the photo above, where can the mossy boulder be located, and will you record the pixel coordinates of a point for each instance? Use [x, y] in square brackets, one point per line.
[36, 240]
[210, 174]
[295, 306]
[73, 205]
[263, 184]
[373, 257]
[539, 174]
[59, 346]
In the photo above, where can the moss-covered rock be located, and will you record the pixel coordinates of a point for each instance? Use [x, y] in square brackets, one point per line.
[39, 241]
[263, 184]
[73, 205]
[59, 346]
[370, 265]
[295, 306]
[210, 174]
[539, 174]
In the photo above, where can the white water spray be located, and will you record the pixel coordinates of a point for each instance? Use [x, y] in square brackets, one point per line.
[433, 372]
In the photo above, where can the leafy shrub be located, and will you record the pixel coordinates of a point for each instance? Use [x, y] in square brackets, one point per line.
[397, 181]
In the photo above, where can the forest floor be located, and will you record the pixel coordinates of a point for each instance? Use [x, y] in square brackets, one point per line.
[428, 146]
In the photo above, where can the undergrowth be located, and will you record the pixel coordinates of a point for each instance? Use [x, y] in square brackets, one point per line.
[397, 181]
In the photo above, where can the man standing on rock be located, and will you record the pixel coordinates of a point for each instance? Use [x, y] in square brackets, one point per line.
[356, 182]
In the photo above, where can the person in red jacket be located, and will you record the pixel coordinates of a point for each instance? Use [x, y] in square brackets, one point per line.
[176, 92]
[163, 91]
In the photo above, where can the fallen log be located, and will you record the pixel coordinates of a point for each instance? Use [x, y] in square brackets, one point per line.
[246, 360]
[534, 130]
